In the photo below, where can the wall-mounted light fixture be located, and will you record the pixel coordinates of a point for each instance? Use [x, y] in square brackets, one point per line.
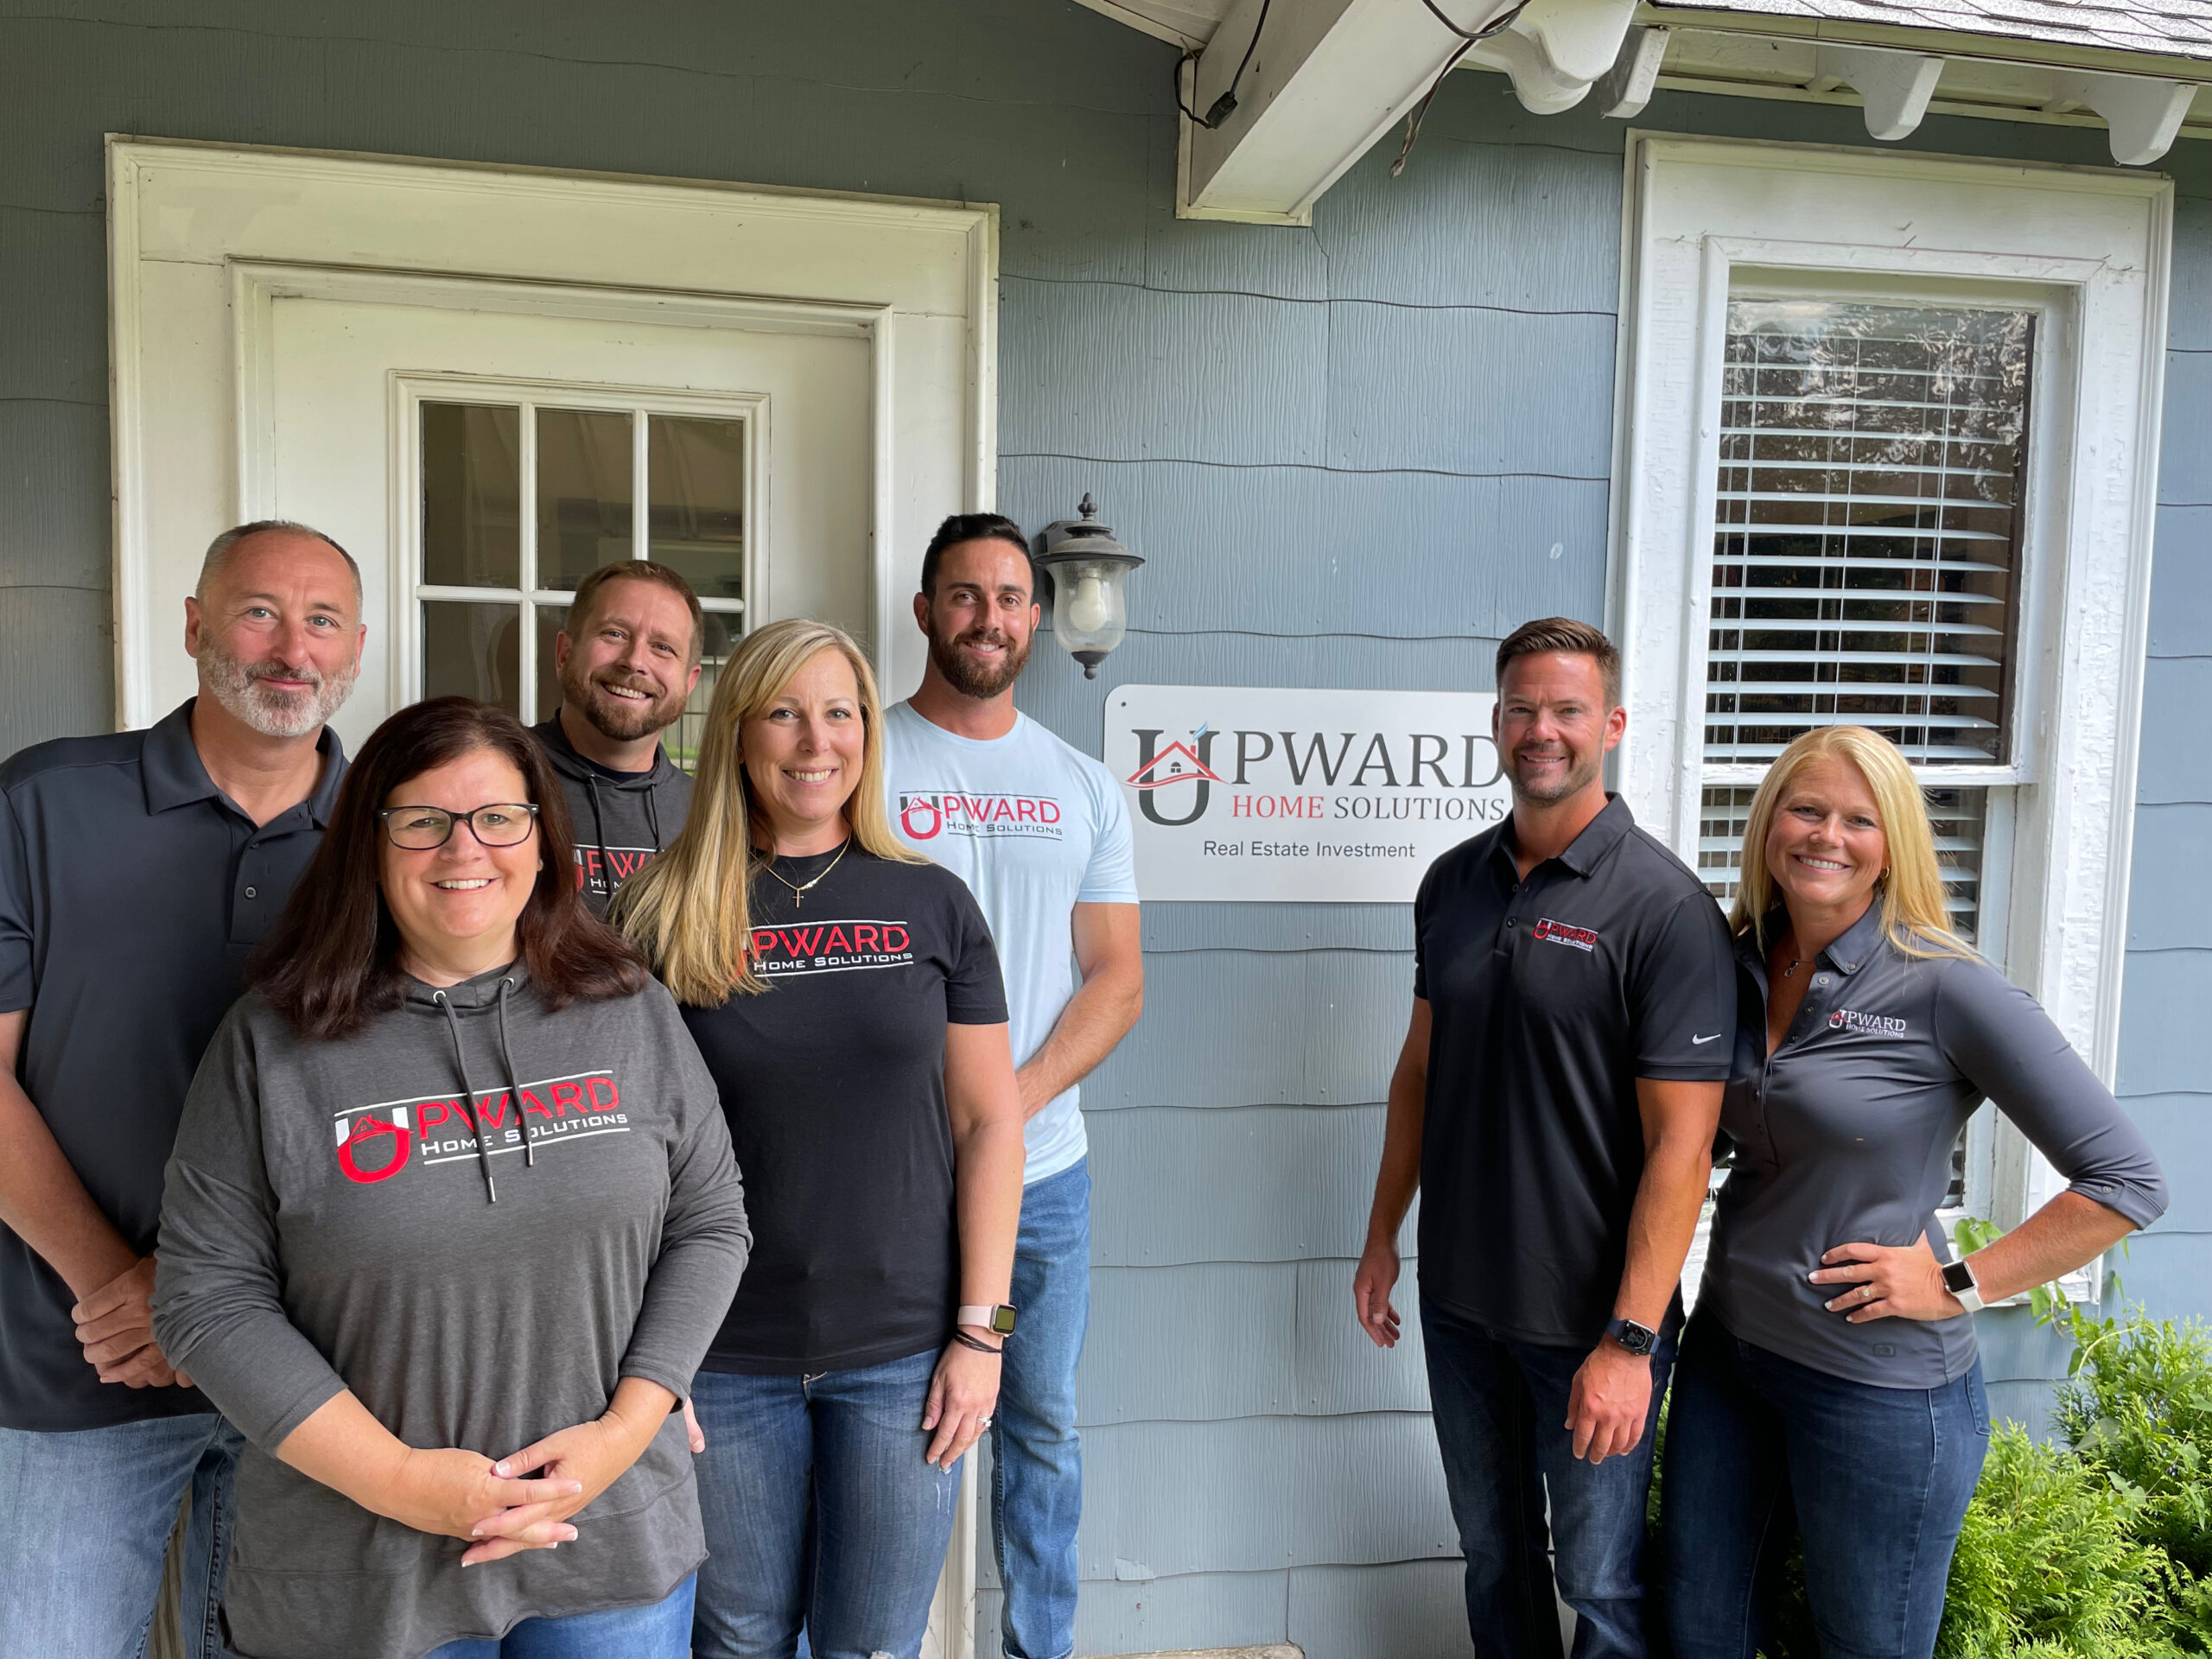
[1087, 566]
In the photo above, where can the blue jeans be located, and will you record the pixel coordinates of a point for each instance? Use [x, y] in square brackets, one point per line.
[1036, 1454]
[820, 1511]
[1500, 1407]
[1878, 1477]
[84, 1522]
[660, 1631]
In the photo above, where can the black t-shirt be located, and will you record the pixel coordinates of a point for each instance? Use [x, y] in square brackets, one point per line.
[1548, 998]
[834, 1082]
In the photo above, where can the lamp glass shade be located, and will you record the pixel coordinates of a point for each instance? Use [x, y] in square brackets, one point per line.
[1088, 612]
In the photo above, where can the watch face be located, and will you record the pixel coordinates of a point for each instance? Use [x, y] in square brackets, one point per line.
[1638, 1340]
[1002, 1320]
[1957, 1276]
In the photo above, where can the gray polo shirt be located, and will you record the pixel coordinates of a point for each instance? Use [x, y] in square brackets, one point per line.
[132, 891]
[1844, 1134]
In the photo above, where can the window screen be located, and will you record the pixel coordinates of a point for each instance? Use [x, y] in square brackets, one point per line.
[1867, 550]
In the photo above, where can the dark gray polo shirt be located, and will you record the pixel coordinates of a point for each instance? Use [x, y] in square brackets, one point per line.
[1548, 998]
[1844, 1136]
[131, 890]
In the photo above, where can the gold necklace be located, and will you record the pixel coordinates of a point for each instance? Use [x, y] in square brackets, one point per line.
[799, 892]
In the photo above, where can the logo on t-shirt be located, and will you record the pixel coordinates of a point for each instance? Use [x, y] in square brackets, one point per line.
[1882, 1024]
[796, 948]
[1551, 932]
[594, 875]
[927, 815]
[376, 1143]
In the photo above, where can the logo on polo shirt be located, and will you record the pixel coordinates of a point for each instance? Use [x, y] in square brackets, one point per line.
[1551, 932]
[946, 812]
[793, 949]
[1850, 1020]
[375, 1143]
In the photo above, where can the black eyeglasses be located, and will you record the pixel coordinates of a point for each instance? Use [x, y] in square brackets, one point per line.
[422, 829]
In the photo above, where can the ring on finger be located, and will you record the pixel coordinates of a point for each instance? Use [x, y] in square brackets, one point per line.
[1865, 1292]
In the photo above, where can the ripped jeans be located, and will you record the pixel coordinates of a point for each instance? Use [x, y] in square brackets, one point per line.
[821, 1515]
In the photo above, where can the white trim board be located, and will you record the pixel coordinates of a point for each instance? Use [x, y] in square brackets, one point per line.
[2090, 249]
[919, 278]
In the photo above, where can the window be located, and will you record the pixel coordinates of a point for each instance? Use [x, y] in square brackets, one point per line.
[1887, 456]
[495, 580]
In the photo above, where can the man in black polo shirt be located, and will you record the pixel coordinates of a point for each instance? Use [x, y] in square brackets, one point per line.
[136, 873]
[1555, 1103]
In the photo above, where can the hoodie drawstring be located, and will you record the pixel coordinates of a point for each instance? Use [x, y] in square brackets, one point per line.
[514, 1087]
[653, 809]
[599, 832]
[468, 1089]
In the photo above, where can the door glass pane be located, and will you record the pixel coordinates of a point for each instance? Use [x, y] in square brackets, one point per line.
[583, 493]
[472, 494]
[551, 621]
[472, 651]
[696, 477]
[683, 738]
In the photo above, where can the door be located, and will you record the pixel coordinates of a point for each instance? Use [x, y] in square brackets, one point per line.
[479, 463]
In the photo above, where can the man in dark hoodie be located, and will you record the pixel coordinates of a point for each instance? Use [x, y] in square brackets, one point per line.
[627, 661]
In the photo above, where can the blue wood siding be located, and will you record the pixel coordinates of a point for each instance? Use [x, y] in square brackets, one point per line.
[1354, 456]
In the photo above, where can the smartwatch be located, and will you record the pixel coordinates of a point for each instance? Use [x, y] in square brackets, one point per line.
[1958, 1279]
[1638, 1340]
[999, 1319]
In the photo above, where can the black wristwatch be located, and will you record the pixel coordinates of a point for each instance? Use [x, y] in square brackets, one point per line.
[1638, 1340]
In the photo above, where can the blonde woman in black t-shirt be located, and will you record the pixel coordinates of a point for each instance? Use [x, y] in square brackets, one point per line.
[846, 996]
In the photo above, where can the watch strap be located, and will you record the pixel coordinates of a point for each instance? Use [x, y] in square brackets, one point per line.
[1958, 1279]
[1000, 1317]
[1638, 1340]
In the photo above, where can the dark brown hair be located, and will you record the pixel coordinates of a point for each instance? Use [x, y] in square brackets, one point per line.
[974, 527]
[1564, 633]
[581, 606]
[333, 962]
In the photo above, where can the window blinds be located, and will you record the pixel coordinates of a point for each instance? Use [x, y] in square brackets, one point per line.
[1867, 550]
[1866, 530]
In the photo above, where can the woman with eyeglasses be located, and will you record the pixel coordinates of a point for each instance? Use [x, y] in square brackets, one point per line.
[1830, 1372]
[846, 996]
[450, 1222]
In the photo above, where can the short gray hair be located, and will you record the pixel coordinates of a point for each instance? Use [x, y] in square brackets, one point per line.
[218, 551]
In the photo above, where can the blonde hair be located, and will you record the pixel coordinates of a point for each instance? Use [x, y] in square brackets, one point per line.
[689, 909]
[1911, 892]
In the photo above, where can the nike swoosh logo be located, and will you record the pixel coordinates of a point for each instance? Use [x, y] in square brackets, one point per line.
[1715, 1038]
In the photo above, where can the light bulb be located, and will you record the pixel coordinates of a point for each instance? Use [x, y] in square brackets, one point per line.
[1088, 606]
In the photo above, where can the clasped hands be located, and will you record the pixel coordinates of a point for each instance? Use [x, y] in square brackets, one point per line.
[115, 1325]
[463, 1494]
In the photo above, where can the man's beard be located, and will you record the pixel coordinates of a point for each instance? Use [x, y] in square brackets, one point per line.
[610, 716]
[1577, 780]
[243, 689]
[972, 679]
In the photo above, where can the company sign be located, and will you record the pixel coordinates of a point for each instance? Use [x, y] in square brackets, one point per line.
[1298, 796]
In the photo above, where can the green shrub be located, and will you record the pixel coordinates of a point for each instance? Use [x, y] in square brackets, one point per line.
[2050, 1561]
[2139, 1406]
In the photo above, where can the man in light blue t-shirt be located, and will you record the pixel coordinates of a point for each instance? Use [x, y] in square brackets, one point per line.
[1039, 833]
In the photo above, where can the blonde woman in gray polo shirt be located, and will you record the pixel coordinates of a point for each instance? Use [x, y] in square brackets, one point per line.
[1831, 1361]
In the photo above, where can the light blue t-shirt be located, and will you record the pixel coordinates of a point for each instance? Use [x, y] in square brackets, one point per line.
[1034, 828]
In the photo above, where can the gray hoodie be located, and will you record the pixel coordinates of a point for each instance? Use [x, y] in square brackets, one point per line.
[330, 1223]
[619, 820]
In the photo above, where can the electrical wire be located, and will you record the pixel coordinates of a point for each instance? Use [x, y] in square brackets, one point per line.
[1225, 106]
[1497, 25]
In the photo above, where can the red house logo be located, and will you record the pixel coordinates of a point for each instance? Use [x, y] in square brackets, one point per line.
[1178, 763]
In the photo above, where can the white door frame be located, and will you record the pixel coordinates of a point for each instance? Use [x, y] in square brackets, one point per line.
[202, 235]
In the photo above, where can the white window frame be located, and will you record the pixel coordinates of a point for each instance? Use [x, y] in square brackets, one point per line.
[410, 391]
[2089, 249]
